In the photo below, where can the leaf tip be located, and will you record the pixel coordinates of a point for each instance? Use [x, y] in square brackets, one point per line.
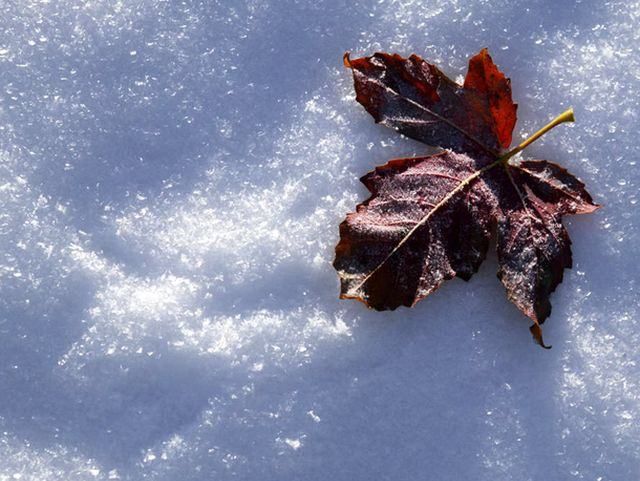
[536, 332]
[346, 60]
[590, 209]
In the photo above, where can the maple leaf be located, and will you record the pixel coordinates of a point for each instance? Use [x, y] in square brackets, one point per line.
[430, 219]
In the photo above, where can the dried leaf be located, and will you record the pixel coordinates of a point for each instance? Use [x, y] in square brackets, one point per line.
[430, 219]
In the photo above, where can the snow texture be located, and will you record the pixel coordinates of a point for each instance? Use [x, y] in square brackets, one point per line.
[172, 177]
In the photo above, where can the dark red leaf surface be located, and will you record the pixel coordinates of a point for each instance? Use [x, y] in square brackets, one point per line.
[430, 219]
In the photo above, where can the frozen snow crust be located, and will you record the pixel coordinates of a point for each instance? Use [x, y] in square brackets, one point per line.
[172, 177]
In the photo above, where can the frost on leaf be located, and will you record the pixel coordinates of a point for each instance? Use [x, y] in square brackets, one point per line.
[429, 219]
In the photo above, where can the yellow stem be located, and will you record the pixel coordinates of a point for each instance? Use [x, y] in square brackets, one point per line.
[566, 116]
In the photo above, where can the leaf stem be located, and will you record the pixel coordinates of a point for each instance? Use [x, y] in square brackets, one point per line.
[566, 116]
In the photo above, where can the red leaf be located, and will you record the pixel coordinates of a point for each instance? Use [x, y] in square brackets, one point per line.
[494, 89]
[430, 219]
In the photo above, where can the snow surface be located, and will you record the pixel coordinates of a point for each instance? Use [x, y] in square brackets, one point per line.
[172, 176]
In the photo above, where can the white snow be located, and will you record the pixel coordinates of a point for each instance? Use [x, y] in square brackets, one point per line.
[172, 177]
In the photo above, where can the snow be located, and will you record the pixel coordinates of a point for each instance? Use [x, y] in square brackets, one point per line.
[172, 176]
